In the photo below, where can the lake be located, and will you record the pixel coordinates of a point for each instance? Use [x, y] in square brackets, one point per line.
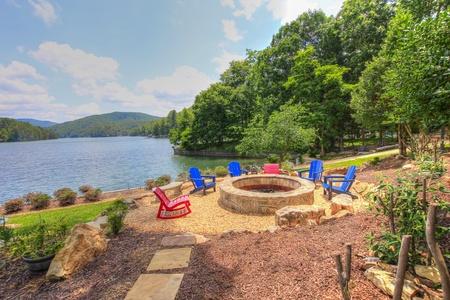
[114, 163]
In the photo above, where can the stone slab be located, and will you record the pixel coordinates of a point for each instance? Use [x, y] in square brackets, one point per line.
[155, 287]
[178, 240]
[170, 259]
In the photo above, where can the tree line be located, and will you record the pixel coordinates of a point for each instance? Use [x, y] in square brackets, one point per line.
[14, 131]
[377, 66]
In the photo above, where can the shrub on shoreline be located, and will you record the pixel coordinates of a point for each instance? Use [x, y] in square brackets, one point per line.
[13, 205]
[39, 200]
[65, 196]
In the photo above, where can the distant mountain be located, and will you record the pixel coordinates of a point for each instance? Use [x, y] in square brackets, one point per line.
[15, 131]
[38, 122]
[111, 124]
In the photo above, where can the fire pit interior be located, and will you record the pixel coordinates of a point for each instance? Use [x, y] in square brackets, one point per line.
[264, 194]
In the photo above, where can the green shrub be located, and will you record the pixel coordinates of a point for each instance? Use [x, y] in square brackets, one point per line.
[85, 188]
[221, 171]
[374, 161]
[27, 197]
[183, 177]
[93, 195]
[273, 159]
[40, 200]
[163, 180]
[13, 205]
[207, 171]
[287, 166]
[116, 215]
[65, 196]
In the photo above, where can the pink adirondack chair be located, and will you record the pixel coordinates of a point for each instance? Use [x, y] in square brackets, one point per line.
[181, 204]
[271, 168]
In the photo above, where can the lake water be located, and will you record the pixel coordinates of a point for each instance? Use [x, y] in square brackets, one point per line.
[110, 164]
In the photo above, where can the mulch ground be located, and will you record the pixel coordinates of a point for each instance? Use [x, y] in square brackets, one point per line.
[292, 263]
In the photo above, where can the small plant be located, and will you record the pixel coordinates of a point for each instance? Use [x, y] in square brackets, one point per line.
[221, 171]
[183, 177]
[93, 195]
[43, 240]
[13, 205]
[163, 180]
[150, 184]
[6, 236]
[426, 164]
[374, 161]
[207, 171]
[287, 166]
[116, 215]
[65, 196]
[85, 188]
[39, 200]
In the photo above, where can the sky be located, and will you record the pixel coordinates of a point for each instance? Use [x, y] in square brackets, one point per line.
[64, 60]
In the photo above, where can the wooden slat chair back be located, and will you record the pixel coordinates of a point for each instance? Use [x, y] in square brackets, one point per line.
[201, 182]
[345, 181]
[314, 172]
[234, 169]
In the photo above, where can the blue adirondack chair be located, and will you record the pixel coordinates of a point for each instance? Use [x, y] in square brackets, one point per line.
[200, 181]
[345, 180]
[234, 169]
[314, 172]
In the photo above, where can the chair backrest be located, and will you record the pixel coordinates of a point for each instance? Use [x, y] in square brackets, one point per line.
[349, 176]
[315, 168]
[161, 195]
[271, 168]
[195, 173]
[234, 168]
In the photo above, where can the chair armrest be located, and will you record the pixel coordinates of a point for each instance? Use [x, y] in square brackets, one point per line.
[343, 180]
[302, 171]
[213, 177]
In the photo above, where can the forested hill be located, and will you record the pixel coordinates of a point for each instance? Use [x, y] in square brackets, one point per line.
[111, 124]
[14, 131]
[38, 122]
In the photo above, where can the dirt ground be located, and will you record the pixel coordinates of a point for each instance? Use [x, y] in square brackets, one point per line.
[248, 263]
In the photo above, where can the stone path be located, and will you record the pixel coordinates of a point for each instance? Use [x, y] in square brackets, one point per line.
[164, 286]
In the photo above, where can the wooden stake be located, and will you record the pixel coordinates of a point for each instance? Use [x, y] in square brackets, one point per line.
[401, 269]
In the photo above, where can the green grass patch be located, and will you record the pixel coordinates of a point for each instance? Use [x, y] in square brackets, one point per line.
[70, 215]
[354, 162]
[358, 142]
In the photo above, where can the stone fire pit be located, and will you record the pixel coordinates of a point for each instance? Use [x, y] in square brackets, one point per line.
[264, 194]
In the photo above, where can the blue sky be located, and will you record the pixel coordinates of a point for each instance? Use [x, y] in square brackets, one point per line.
[63, 60]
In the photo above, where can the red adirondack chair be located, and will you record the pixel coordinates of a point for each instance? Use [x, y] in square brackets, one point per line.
[181, 203]
[271, 168]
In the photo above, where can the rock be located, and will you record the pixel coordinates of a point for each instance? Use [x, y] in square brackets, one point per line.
[341, 202]
[84, 243]
[340, 214]
[292, 216]
[430, 273]
[338, 171]
[131, 203]
[407, 167]
[385, 281]
[100, 222]
[272, 229]
[232, 232]
[369, 262]
[363, 188]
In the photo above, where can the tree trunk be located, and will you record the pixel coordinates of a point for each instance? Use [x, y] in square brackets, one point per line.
[436, 252]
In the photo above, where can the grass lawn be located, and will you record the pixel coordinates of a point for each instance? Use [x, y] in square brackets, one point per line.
[70, 215]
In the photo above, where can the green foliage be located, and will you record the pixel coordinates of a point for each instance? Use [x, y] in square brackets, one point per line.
[13, 205]
[39, 200]
[163, 180]
[207, 171]
[273, 159]
[374, 161]
[404, 205]
[116, 215]
[14, 131]
[6, 236]
[221, 171]
[287, 166]
[43, 240]
[427, 165]
[85, 188]
[111, 124]
[65, 196]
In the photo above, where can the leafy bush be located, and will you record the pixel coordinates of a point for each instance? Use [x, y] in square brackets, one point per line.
[13, 205]
[287, 166]
[150, 184]
[163, 180]
[93, 195]
[65, 196]
[374, 161]
[85, 188]
[116, 215]
[221, 171]
[26, 198]
[427, 164]
[39, 200]
[183, 177]
[207, 171]
[273, 159]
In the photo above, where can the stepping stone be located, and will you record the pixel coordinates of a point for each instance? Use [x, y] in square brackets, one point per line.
[170, 259]
[179, 240]
[155, 287]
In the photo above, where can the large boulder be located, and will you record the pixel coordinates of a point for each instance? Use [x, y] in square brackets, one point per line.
[84, 243]
[292, 216]
[341, 202]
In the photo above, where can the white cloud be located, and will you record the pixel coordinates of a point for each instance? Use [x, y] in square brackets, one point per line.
[185, 82]
[44, 10]
[248, 8]
[224, 60]
[75, 62]
[231, 33]
[289, 10]
[229, 3]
